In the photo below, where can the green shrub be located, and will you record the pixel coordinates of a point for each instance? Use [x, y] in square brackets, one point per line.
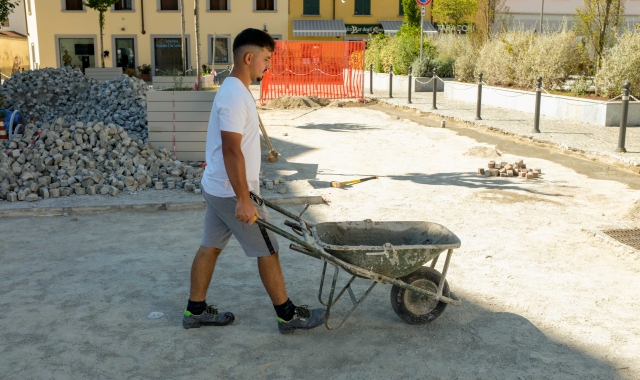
[620, 63]
[464, 68]
[499, 57]
[400, 51]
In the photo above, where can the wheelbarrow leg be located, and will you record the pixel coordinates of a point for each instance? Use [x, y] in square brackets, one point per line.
[444, 272]
[356, 304]
[347, 287]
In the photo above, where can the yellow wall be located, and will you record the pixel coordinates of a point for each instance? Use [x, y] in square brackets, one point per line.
[380, 10]
[10, 47]
[53, 23]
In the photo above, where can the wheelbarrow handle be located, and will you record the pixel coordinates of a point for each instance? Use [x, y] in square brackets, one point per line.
[260, 201]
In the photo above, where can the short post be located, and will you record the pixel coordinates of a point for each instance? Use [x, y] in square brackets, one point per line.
[623, 118]
[410, 77]
[536, 120]
[390, 81]
[371, 78]
[479, 104]
[435, 89]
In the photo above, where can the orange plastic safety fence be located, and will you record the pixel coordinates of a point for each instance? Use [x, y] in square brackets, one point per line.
[333, 70]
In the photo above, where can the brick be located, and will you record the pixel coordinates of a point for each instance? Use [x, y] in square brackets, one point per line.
[510, 173]
[65, 191]
[503, 174]
[91, 190]
[80, 190]
[197, 191]
[508, 166]
[12, 197]
[481, 171]
[31, 197]
[534, 174]
[114, 191]
[503, 171]
[495, 172]
[159, 185]
[487, 173]
[491, 165]
[54, 193]
[529, 175]
[189, 187]
[523, 175]
[538, 170]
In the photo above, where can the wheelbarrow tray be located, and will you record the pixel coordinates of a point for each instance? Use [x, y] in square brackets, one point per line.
[392, 249]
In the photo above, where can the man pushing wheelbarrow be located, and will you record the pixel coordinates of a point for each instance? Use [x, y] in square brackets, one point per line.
[385, 252]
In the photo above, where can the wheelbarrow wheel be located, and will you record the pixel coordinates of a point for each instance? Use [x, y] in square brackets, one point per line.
[416, 309]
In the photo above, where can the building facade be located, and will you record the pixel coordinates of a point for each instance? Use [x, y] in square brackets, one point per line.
[14, 47]
[526, 13]
[344, 20]
[66, 33]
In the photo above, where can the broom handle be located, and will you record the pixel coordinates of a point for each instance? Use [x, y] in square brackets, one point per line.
[264, 133]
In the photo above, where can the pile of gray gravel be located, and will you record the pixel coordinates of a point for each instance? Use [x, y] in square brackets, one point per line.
[87, 158]
[50, 94]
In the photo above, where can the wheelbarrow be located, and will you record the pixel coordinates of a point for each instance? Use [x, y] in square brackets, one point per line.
[385, 252]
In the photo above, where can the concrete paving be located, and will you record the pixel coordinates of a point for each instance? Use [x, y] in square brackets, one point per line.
[600, 142]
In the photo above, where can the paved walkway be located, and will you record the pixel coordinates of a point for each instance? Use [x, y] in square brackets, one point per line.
[575, 136]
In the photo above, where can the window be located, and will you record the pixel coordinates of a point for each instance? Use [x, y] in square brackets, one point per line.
[168, 56]
[401, 11]
[363, 7]
[219, 5]
[77, 52]
[220, 48]
[265, 5]
[123, 5]
[73, 5]
[169, 5]
[311, 7]
[125, 53]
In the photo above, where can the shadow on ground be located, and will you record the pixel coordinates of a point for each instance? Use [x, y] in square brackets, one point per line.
[87, 296]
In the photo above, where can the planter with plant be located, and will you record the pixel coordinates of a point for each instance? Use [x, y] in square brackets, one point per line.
[144, 70]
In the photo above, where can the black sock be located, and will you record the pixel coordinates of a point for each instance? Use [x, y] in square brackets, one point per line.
[286, 310]
[196, 308]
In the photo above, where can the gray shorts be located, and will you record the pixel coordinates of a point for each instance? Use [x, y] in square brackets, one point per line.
[220, 223]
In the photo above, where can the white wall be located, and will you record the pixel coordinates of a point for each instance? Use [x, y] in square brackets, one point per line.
[17, 22]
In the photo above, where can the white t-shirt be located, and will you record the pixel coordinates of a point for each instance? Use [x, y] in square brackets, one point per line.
[234, 110]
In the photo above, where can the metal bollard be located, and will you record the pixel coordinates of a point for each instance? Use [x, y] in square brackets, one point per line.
[410, 77]
[623, 118]
[435, 89]
[536, 120]
[371, 78]
[390, 81]
[479, 104]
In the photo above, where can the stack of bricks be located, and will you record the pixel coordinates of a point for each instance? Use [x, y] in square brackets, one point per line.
[504, 169]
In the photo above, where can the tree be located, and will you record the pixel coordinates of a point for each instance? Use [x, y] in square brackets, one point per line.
[101, 6]
[6, 8]
[196, 17]
[490, 14]
[597, 22]
[183, 40]
[454, 10]
[412, 15]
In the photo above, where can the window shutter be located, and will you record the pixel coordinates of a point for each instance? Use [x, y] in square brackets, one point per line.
[367, 7]
[401, 11]
[311, 7]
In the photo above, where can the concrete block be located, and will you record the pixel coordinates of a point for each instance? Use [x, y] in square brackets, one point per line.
[495, 172]
[104, 190]
[269, 185]
[189, 187]
[12, 197]
[503, 174]
[510, 173]
[114, 191]
[522, 174]
[529, 175]
[91, 190]
[481, 171]
[44, 192]
[197, 191]
[65, 191]
[491, 165]
[54, 193]
[159, 185]
[534, 174]
[21, 195]
[171, 185]
[80, 191]
[538, 170]
[31, 197]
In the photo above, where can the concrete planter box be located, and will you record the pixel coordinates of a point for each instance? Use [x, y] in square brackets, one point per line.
[103, 75]
[168, 82]
[381, 83]
[186, 113]
[562, 107]
[420, 86]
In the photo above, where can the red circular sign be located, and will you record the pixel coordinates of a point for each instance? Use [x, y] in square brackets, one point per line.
[423, 3]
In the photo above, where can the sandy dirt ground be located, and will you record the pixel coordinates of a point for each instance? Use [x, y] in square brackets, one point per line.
[542, 298]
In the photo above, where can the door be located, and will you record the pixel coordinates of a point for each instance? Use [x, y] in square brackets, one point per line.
[125, 53]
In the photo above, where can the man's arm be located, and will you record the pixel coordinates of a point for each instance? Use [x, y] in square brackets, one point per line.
[234, 164]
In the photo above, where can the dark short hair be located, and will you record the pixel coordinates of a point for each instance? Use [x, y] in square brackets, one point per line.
[253, 37]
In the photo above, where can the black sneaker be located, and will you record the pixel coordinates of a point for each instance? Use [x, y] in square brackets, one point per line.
[209, 317]
[303, 319]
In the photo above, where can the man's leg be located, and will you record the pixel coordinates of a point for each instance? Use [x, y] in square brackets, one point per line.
[272, 279]
[201, 272]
